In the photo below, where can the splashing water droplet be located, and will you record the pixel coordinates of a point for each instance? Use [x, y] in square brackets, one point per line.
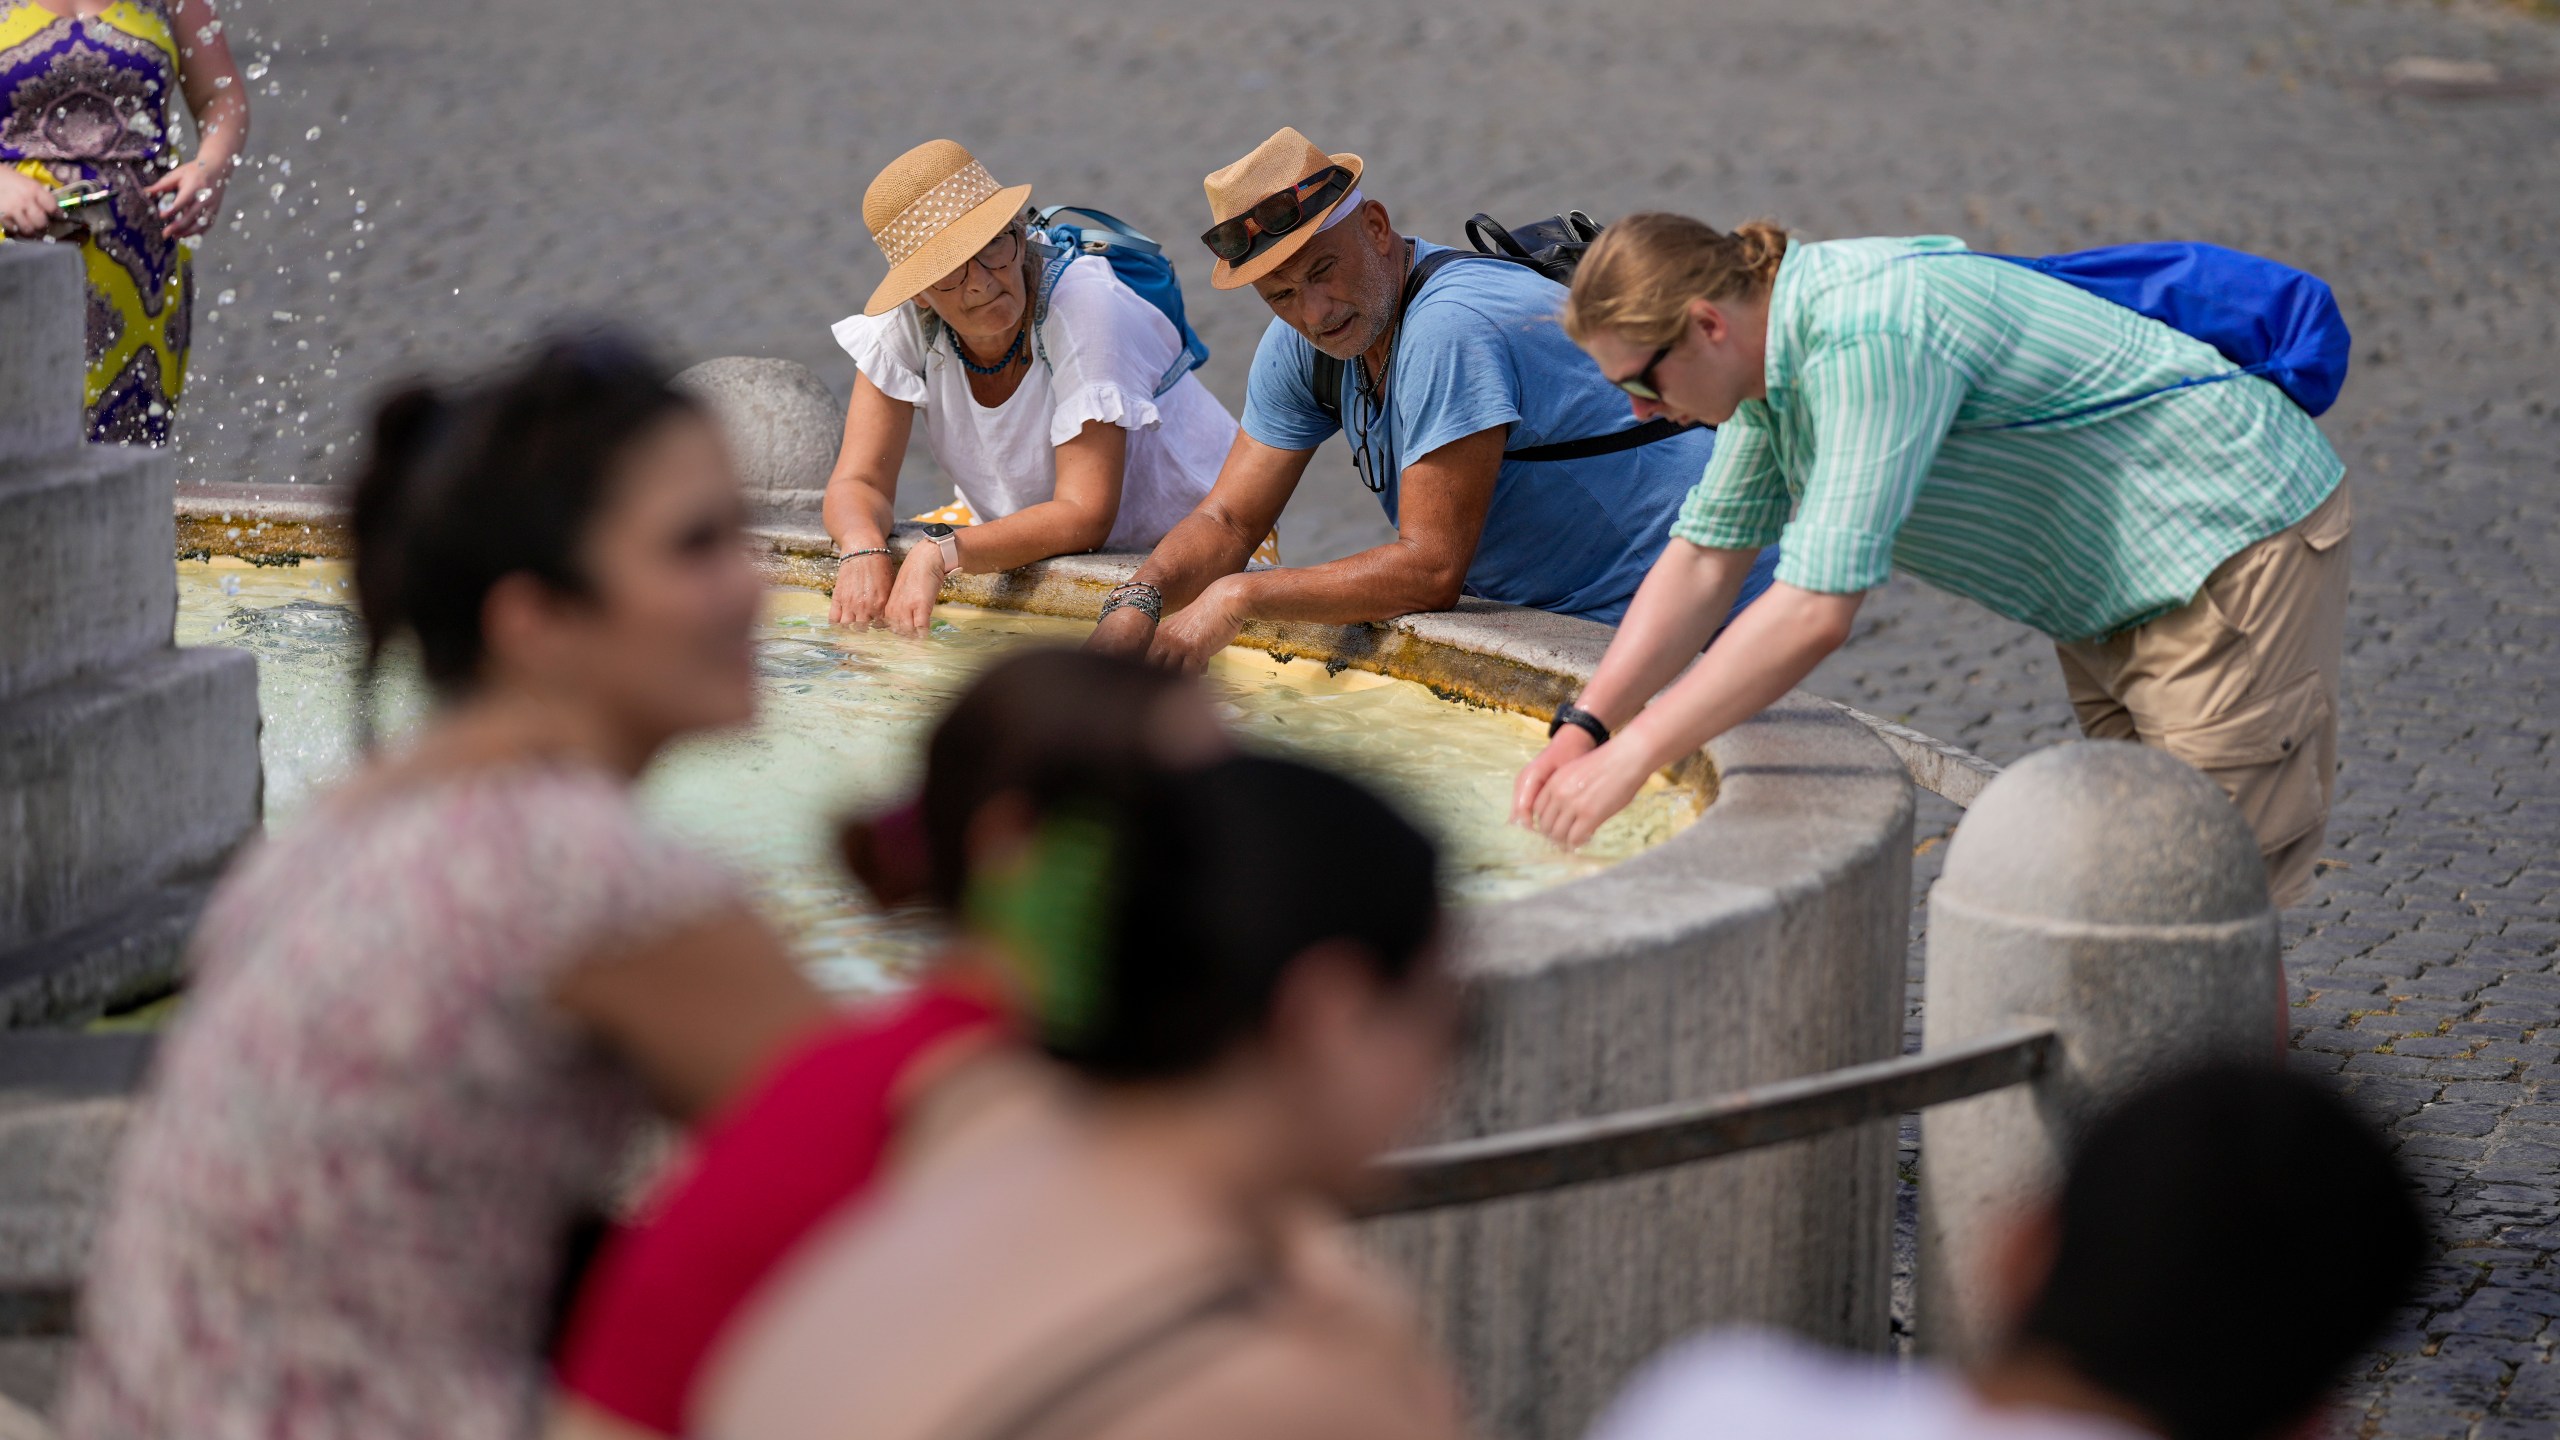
[226, 297]
[257, 69]
[311, 134]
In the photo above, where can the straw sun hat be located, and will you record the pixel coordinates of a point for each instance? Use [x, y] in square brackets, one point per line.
[929, 211]
[1276, 164]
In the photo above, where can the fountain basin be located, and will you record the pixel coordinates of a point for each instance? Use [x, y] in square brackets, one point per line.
[1764, 941]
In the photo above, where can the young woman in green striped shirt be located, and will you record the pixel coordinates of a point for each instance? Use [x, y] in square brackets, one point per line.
[1890, 403]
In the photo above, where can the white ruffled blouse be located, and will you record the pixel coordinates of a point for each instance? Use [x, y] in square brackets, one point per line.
[1107, 347]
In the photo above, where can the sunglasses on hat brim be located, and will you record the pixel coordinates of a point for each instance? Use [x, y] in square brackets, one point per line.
[1276, 214]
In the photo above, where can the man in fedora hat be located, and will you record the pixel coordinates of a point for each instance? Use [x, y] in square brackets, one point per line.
[1447, 394]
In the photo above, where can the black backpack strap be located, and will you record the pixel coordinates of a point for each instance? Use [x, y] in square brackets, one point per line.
[1327, 381]
[1609, 444]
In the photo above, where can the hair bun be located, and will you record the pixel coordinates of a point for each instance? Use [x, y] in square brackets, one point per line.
[1764, 244]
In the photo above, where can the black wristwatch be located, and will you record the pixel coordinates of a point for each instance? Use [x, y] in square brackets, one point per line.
[1583, 720]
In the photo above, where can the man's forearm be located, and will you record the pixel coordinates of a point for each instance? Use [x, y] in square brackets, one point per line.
[1202, 548]
[1376, 584]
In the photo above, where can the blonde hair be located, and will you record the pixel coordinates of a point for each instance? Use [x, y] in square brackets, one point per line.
[1638, 278]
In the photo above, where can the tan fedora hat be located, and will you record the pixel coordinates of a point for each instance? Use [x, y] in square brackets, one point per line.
[1276, 164]
[929, 211]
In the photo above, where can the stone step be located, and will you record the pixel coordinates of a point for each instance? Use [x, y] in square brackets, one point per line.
[71, 976]
[43, 316]
[114, 784]
[56, 1162]
[86, 575]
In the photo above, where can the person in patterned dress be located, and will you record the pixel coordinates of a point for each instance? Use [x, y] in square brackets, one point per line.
[86, 92]
[424, 1022]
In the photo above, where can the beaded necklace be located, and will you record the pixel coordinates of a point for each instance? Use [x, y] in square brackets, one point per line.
[1011, 354]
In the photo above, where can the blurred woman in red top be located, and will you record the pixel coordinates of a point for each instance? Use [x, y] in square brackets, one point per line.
[812, 1136]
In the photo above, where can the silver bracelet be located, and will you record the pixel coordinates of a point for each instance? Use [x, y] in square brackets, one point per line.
[858, 554]
[1136, 595]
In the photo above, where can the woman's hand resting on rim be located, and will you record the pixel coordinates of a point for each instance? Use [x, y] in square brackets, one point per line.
[861, 597]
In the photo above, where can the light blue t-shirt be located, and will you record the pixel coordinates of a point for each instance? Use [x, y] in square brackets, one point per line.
[1480, 347]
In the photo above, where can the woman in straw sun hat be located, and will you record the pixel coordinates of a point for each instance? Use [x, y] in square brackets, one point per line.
[1041, 408]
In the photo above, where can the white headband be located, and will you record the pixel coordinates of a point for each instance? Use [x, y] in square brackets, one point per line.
[1341, 212]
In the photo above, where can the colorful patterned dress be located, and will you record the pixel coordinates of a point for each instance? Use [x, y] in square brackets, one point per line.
[92, 98]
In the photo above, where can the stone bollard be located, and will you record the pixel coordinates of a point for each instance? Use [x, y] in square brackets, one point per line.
[783, 424]
[2113, 890]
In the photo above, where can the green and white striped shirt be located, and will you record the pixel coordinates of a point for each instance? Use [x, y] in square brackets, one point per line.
[1878, 444]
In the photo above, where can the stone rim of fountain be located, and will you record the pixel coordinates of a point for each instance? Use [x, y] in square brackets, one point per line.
[1754, 837]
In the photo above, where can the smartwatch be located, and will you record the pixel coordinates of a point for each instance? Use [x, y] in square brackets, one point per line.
[1580, 719]
[947, 540]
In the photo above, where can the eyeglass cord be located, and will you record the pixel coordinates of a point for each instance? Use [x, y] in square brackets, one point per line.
[1372, 406]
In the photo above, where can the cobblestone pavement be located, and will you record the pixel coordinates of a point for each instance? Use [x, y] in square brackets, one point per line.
[435, 177]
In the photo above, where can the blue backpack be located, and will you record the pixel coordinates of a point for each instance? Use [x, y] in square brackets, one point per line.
[1137, 260]
[2271, 320]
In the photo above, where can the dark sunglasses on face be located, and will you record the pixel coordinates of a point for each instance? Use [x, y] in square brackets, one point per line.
[992, 257]
[1278, 214]
[1641, 384]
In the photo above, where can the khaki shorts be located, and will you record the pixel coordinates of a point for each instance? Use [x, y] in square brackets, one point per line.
[2242, 683]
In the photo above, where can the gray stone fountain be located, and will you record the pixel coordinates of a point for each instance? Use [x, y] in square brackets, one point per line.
[128, 767]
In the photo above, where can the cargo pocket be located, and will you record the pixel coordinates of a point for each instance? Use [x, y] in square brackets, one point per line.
[2268, 755]
[2328, 525]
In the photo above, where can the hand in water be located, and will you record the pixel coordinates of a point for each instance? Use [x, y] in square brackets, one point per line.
[1570, 744]
[1581, 796]
[190, 199]
[910, 608]
[861, 597]
[1192, 635]
[26, 207]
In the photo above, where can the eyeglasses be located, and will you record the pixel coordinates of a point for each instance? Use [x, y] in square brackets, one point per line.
[1276, 214]
[1368, 435]
[1641, 384]
[994, 256]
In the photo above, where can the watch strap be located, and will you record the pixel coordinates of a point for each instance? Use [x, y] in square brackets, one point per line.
[1580, 719]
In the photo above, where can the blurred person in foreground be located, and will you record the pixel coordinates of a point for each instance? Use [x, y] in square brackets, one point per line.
[1236, 976]
[2224, 1244]
[424, 1021]
[810, 1138]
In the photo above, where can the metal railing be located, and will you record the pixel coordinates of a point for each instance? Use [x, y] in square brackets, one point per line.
[1658, 1137]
